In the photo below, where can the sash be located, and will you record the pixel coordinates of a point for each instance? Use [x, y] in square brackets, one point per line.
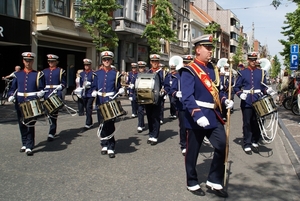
[209, 85]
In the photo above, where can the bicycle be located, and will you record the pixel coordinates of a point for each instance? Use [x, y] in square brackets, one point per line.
[4, 94]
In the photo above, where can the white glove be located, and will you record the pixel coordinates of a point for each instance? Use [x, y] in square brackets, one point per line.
[178, 94]
[243, 96]
[78, 90]
[55, 91]
[121, 91]
[130, 98]
[58, 88]
[270, 91]
[11, 99]
[203, 121]
[229, 104]
[273, 93]
[87, 83]
[131, 86]
[165, 97]
[40, 94]
[221, 87]
[94, 93]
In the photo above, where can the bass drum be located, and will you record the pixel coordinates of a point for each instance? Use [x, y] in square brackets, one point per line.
[147, 88]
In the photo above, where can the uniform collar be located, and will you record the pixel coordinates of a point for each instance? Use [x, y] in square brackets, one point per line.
[155, 69]
[52, 68]
[106, 69]
[200, 62]
[87, 71]
[27, 71]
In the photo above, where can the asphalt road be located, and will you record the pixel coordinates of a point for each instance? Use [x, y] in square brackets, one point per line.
[72, 168]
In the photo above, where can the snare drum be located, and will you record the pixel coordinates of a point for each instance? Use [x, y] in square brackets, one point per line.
[31, 109]
[264, 106]
[53, 104]
[111, 109]
[147, 87]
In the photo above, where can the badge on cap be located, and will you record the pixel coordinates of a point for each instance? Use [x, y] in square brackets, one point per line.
[28, 55]
[154, 57]
[141, 63]
[52, 57]
[134, 65]
[87, 61]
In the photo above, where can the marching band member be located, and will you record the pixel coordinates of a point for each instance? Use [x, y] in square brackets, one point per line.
[224, 87]
[80, 104]
[175, 92]
[141, 108]
[132, 94]
[29, 85]
[86, 79]
[249, 88]
[167, 87]
[203, 105]
[153, 110]
[55, 81]
[105, 85]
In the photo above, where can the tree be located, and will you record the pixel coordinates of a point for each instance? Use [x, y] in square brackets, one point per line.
[213, 28]
[160, 26]
[292, 32]
[96, 17]
[238, 57]
[275, 67]
[277, 3]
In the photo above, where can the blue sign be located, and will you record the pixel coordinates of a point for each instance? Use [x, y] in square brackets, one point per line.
[294, 57]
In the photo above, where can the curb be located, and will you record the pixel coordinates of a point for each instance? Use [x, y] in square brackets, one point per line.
[292, 148]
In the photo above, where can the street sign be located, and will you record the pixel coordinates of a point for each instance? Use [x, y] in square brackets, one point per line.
[294, 56]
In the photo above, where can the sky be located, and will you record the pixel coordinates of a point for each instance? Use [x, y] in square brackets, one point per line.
[268, 21]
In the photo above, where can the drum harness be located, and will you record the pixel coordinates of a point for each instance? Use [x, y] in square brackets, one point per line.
[272, 126]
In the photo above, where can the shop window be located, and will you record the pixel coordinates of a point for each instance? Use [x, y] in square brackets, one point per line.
[10, 7]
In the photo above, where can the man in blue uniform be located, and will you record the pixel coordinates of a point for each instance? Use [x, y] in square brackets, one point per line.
[55, 81]
[141, 108]
[153, 111]
[176, 94]
[86, 80]
[132, 94]
[29, 85]
[167, 87]
[249, 88]
[203, 105]
[105, 86]
[164, 91]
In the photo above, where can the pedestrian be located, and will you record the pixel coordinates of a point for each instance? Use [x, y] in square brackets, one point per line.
[203, 116]
[86, 79]
[105, 86]
[250, 86]
[132, 75]
[153, 111]
[80, 104]
[141, 107]
[17, 69]
[29, 85]
[55, 80]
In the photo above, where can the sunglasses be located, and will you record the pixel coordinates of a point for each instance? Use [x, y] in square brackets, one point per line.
[106, 59]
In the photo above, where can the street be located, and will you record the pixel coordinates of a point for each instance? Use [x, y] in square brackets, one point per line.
[72, 168]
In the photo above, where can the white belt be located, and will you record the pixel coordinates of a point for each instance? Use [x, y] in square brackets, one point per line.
[205, 104]
[252, 91]
[104, 94]
[27, 94]
[51, 86]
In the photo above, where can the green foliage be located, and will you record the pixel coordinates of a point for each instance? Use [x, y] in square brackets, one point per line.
[275, 68]
[292, 32]
[212, 28]
[160, 26]
[238, 57]
[96, 19]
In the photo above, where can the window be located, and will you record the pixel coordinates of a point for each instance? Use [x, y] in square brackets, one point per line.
[122, 11]
[185, 32]
[10, 7]
[193, 33]
[60, 7]
[137, 5]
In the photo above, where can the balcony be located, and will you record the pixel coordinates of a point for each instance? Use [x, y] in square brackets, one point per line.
[234, 29]
[127, 26]
[54, 24]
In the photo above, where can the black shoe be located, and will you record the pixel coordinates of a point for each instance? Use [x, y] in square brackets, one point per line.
[153, 143]
[111, 155]
[22, 149]
[84, 129]
[221, 192]
[249, 152]
[103, 152]
[29, 153]
[50, 138]
[198, 192]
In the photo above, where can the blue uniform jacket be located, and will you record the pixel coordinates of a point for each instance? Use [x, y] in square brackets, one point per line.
[53, 78]
[89, 77]
[24, 82]
[193, 89]
[224, 82]
[106, 82]
[250, 79]
[132, 76]
[175, 88]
